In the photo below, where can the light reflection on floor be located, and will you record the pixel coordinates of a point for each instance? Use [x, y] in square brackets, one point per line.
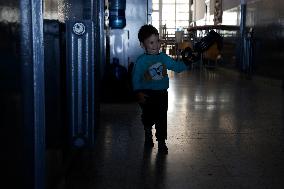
[222, 133]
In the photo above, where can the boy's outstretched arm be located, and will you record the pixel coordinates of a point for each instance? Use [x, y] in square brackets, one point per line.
[177, 66]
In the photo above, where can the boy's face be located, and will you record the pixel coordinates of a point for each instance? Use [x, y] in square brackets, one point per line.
[152, 44]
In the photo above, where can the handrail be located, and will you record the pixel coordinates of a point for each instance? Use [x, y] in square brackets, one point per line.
[209, 27]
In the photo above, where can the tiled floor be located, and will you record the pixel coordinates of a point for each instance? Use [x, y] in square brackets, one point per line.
[222, 133]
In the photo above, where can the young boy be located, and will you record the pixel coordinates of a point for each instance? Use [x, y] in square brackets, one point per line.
[150, 83]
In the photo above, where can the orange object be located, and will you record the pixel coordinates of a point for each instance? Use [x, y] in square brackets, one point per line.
[212, 52]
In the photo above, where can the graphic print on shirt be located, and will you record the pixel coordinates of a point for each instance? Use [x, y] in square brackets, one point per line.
[156, 71]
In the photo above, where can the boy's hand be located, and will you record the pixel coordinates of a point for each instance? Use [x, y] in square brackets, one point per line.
[141, 97]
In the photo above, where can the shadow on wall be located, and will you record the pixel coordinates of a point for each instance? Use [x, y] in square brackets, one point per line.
[116, 84]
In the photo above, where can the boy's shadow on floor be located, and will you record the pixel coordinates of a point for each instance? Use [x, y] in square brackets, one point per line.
[153, 170]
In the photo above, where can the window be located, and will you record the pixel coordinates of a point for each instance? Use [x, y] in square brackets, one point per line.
[175, 14]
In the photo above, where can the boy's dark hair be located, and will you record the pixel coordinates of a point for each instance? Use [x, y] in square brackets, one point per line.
[146, 31]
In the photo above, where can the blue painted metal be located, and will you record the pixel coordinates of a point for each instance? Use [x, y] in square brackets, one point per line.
[100, 37]
[80, 82]
[99, 51]
[33, 92]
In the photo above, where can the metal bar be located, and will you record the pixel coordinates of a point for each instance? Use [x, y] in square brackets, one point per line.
[79, 85]
[86, 87]
[80, 81]
[32, 56]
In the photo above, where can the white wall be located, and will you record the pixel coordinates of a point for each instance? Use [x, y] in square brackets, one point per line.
[199, 11]
[136, 16]
[124, 43]
[200, 8]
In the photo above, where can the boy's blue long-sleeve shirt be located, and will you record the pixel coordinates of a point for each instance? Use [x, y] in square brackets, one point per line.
[150, 71]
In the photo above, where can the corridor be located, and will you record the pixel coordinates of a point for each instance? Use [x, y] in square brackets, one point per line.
[223, 132]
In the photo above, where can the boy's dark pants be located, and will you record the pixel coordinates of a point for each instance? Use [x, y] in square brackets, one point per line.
[154, 111]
